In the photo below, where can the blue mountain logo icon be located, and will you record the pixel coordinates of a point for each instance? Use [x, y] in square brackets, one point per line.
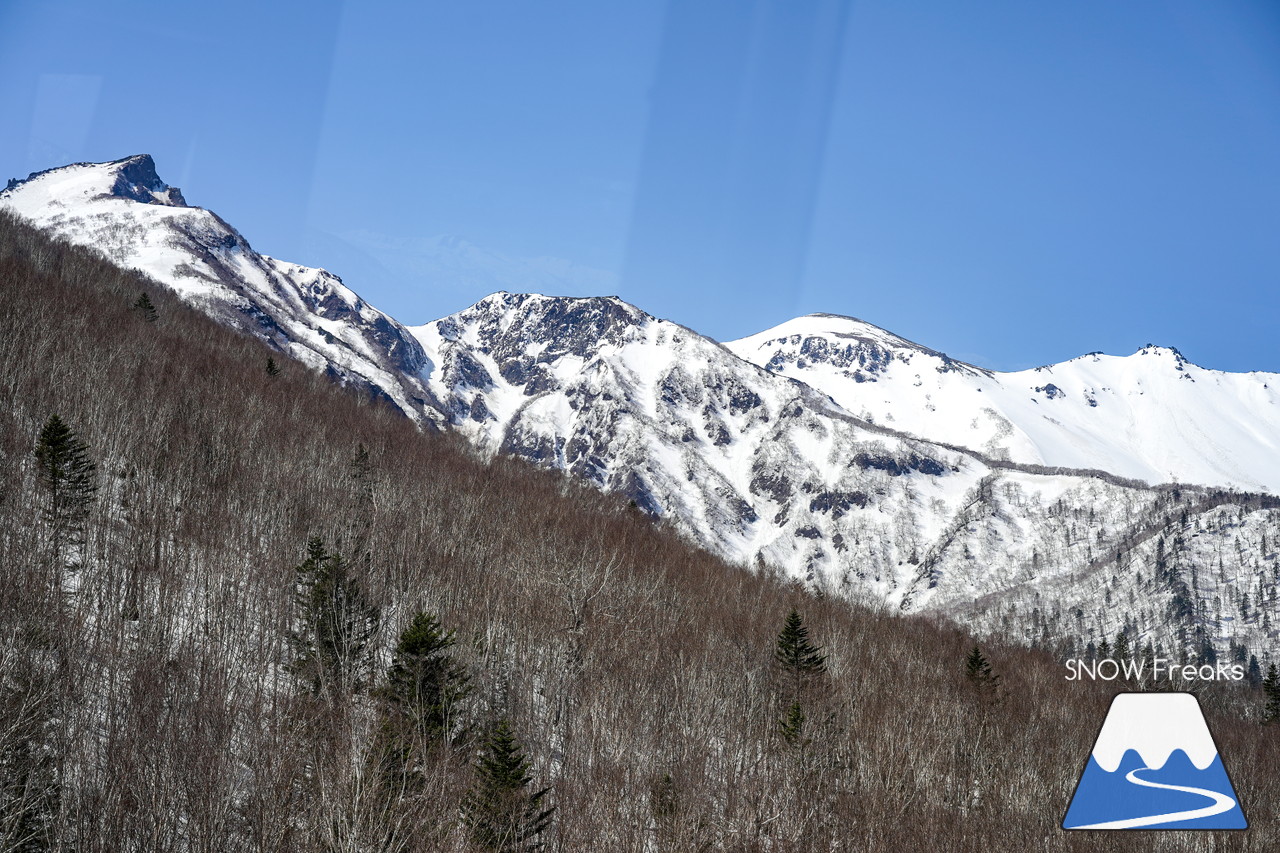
[1154, 766]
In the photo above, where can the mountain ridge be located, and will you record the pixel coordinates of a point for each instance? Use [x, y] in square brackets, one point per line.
[766, 451]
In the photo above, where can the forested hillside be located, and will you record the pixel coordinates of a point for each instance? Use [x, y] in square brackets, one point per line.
[243, 609]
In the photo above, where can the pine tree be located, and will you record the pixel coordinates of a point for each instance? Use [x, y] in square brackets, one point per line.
[70, 479]
[499, 811]
[980, 674]
[424, 689]
[1121, 651]
[799, 658]
[272, 368]
[1254, 675]
[1271, 695]
[143, 306]
[336, 623]
[1104, 650]
[792, 727]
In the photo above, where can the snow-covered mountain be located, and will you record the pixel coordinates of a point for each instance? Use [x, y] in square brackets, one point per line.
[765, 470]
[125, 211]
[1152, 416]
[950, 488]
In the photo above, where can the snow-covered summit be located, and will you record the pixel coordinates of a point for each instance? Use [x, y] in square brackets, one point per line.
[1152, 416]
[125, 211]
[133, 178]
[797, 448]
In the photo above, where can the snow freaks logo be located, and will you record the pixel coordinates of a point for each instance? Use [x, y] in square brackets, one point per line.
[1154, 766]
[1109, 669]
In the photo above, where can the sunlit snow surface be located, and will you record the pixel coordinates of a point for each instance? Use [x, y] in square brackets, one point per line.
[123, 210]
[800, 455]
[1152, 416]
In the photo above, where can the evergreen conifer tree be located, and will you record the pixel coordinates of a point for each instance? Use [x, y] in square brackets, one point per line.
[793, 726]
[1104, 650]
[664, 800]
[424, 688]
[980, 674]
[360, 472]
[144, 307]
[1121, 650]
[70, 480]
[501, 813]
[1271, 696]
[336, 623]
[799, 658]
[1254, 673]
[272, 368]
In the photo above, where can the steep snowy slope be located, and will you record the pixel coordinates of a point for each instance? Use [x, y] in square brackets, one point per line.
[823, 478]
[125, 211]
[1152, 416]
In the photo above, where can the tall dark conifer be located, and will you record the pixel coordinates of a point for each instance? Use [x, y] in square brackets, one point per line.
[420, 704]
[501, 813]
[980, 674]
[144, 306]
[425, 684]
[70, 480]
[797, 655]
[336, 623]
[1271, 696]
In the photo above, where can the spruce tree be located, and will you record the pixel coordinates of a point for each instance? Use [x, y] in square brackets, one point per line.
[501, 813]
[336, 623]
[421, 699]
[666, 807]
[792, 727]
[272, 368]
[1121, 651]
[980, 674]
[1271, 696]
[144, 307]
[70, 480]
[799, 658]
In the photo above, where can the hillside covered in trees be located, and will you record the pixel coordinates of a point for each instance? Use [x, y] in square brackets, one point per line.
[243, 609]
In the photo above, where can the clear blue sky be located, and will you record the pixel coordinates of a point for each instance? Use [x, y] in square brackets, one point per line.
[1015, 183]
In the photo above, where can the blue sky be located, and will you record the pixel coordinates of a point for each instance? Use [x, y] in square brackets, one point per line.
[1014, 183]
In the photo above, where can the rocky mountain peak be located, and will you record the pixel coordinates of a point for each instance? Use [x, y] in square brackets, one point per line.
[136, 179]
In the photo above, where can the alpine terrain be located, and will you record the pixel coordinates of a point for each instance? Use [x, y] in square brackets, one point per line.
[1061, 506]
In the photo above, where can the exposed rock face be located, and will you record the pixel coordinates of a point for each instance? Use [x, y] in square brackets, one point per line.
[124, 210]
[799, 448]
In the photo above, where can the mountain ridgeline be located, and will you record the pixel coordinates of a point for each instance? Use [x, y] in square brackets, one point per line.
[171, 677]
[862, 464]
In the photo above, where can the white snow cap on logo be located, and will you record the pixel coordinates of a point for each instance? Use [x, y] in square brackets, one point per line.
[1154, 724]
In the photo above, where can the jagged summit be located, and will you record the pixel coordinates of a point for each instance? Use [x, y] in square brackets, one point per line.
[136, 179]
[133, 178]
[125, 211]
[848, 456]
[513, 322]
